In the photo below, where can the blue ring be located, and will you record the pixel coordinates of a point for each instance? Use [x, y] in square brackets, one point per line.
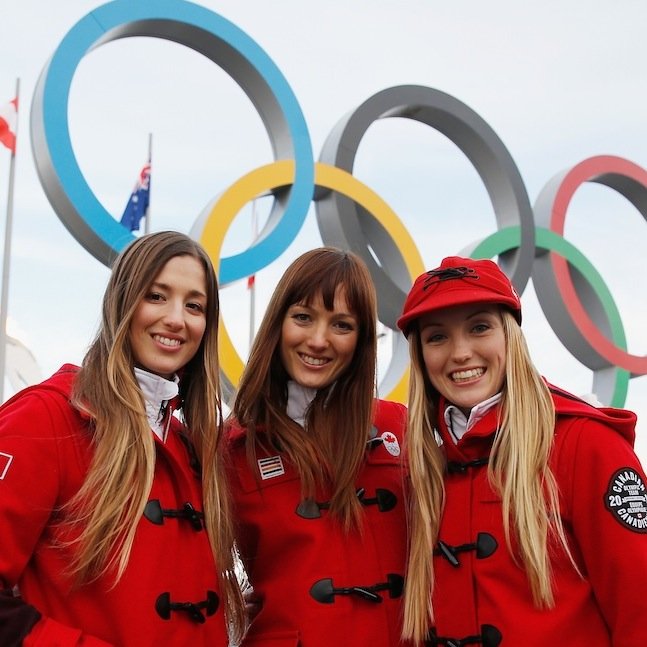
[73, 200]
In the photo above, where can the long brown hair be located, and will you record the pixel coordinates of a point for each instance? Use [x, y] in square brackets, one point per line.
[341, 414]
[518, 469]
[110, 503]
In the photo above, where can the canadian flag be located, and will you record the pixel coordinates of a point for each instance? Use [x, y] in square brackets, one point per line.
[8, 120]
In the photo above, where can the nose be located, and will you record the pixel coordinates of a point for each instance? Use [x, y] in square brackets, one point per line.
[174, 315]
[461, 349]
[318, 338]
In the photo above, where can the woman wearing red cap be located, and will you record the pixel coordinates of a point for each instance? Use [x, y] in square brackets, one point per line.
[534, 506]
[316, 466]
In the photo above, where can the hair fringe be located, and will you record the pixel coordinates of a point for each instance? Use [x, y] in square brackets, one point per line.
[330, 458]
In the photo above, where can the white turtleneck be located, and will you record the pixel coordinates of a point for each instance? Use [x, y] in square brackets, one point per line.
[157, 392]
[299, 399]
[459, 424]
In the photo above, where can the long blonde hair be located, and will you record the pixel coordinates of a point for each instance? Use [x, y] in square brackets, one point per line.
[518, 469]
[333, 454]
[110, 503]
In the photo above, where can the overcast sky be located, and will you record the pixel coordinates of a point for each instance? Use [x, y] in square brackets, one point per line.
[558, 81]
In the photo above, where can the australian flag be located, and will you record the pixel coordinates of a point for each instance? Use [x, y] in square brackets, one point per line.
[138, 203]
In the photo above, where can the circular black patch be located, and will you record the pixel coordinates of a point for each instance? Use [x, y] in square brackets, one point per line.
[626, 499]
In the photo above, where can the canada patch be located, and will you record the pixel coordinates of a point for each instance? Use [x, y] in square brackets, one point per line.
[270, 467]
[5, 462]
[626, 499]
[390, 442]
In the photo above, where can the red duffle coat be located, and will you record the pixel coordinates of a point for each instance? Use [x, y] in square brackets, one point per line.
[44, 456]
[604, 512]
[319, 585]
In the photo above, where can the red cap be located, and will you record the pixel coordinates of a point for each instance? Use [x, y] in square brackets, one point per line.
[459, 281]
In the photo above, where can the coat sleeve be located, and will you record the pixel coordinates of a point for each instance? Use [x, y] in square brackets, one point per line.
[32, 429]
[603, 484]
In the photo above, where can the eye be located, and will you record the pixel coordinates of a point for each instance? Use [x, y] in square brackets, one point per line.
[481, 328]
[154, 297]
[197, 307]
[300, 317]
[433, 338]
[345, 326]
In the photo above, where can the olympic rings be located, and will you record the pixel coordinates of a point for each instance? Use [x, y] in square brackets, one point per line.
[610, 384]
[213, 223]
[340, 220]
[575, 300]
[224, 44]
[570, 309]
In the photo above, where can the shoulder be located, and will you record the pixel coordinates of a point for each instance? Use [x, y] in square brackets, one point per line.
[49, 399]
[390, 416]
[574, 415]
[389, 425]
[592, 443]
[233, 432]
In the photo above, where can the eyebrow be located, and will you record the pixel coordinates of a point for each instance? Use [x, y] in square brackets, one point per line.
[165, 286]
[477, 313]
[338, 314]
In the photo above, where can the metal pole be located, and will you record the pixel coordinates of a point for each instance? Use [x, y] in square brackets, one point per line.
[147, 224]
[252, 287]
[6, 258]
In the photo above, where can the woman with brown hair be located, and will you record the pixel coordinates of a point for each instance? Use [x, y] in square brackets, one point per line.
[528, 524]
[114, 515]
[316, 472]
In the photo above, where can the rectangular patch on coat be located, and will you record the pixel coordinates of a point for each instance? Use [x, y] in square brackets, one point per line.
[5, 461]
[270, 467]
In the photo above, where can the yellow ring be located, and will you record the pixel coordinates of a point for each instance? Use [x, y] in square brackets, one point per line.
[279, 174]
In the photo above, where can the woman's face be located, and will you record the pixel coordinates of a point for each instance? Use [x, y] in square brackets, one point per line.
[169, 322]
[317, 345]
[463, 348]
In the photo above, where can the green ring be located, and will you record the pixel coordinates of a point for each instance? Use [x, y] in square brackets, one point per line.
[510, 238]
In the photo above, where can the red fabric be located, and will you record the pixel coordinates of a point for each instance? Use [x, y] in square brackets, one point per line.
[606, 607]
[459, 281]
[50, 446]
[286, 554]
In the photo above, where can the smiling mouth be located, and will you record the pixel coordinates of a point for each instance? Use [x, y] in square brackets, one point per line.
[313, 361]
[464, 376]
[166, 341]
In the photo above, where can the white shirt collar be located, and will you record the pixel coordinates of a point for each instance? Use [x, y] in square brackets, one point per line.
[299, 399]
[157, 392]
[459, 424]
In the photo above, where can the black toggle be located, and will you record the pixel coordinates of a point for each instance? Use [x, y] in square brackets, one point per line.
[310, 509]
[384, 499]
[456, 467]
[323, 590]
[164, 606]
[490, 636]
[155, 514]
[484, 546]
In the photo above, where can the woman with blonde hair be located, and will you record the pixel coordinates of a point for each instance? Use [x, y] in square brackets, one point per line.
[316, 473]
[528, 510]
[114, 515]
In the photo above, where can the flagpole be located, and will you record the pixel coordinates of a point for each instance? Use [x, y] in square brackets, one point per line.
[147, 225]
[252, 287]
[6, 258]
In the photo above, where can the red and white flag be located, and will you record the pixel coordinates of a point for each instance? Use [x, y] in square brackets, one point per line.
[8, 121]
